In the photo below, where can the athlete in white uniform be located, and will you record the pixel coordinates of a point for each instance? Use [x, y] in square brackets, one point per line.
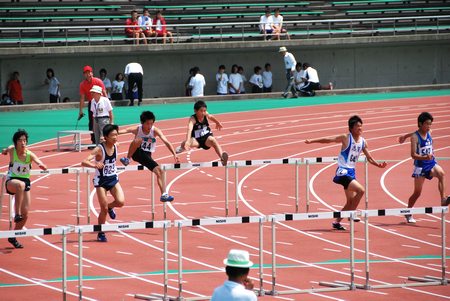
[144, 145]
[352, 146]
[103, 158]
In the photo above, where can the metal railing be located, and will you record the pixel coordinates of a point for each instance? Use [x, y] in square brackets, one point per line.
[46, 36]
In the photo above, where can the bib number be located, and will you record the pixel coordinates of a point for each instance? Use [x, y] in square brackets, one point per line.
[109, 169]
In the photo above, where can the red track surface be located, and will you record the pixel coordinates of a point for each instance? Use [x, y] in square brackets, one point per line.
[263, 190]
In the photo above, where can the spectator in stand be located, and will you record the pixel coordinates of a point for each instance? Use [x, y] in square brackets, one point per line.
[197, 83]
[134, 73]
[278, 25]
[106, 82]
[53, 86]
[159, 23]
[299, 74]
[118, 87]
[222, 81]
[85, 94]
[14, 88]
[266, 25]
[311, 80]
[188, 91]
[146, 22]
[256, 81]
[235, 81]
[244, 78]
[133, 31]
[267, 78]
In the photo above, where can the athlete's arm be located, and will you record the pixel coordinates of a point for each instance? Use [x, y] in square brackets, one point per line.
[111, 117]
[38, 161]
[88, 162]
[7, 150]
[370, 159]
[338, 139]
[132, 130]
[414, 154]
[169, 145]
[217, 122]
[189, 133]
[82, 105]
[402, 138]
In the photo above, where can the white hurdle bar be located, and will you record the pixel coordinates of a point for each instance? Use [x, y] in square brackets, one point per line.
[427, 281]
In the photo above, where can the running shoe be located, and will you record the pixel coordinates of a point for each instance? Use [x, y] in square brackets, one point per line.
[101, 237]
[15, 243]
[125, 161]
[338, 226]
[410, 219]
[166, 198]
[445, 202]
[224, 158]
[112, 213]
[18, 218]
[179, 150]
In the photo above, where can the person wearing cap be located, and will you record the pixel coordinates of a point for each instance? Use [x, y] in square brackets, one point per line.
[134, 73]
[238, 287]
[289, 64]
[102, 112]
[85, 94]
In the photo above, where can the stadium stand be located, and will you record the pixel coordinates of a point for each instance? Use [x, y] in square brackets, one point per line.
[62, 22]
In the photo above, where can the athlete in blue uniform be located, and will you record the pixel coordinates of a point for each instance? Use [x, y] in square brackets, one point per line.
[144, 145]
[352, 146]
[199, 134]
[106, 178]
[425, 166]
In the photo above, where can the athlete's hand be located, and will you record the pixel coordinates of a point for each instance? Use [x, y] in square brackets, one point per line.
[401, 139]
[4, 151]
[428, 157]
[99, 165]
[307, 141]
[382, 165]
[219, 126]
[43, 166]
[248, 283]
[175, 157]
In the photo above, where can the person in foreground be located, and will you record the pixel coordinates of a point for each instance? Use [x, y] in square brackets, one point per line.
[238, 287]
[352, 146]
[18, 179]
[425, 165]
[106, 178]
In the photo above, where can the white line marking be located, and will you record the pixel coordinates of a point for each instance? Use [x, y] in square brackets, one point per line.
[124, 253]
[274, 193]
[242, 237]
[73, 190]
[40, 225]
[434, 235]
[410, 246]
[209, 195]
[291, 197]
[206, 248]
[426, 220]
[219, 179]
[217, 208]
[140, 187]
[256, 189]
[196, 231]
[286, 205]
[39, 258]
[332, 250]
[314, 233]
[284, 243]
[41, 198]
[145, 199]
[43, 187]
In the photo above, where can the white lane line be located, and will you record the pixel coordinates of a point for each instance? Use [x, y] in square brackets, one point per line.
[284, 243]
[209, 195]
[40, 225]
[196, 231]
[140, 187]
[84, 247]
[291, 197]
[84, 266]
[43, 187]
[145, 199]
[41, 198]
[241, 237]
[256, 189]
[332, 250]
[426, 220]
[217, 208]
[434, 235]
[124, 253]
[274, 193]
[410, 246]
[286, 205]
[39, 258]
[206, 248]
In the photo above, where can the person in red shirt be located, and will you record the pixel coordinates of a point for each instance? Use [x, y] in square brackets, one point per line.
[14, 89]
[85, 93]
[159, 23]
[133, 30]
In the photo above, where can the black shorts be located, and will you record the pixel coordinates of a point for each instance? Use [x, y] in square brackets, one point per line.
[25, 180]
[343, 180]
[202, 141]
[145, 158]
[107, 183]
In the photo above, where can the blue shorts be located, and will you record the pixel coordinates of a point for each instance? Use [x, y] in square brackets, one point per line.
[424, 171]
[107, 183]
[344, 176]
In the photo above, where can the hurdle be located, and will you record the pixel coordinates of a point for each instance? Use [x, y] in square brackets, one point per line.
[425, 281]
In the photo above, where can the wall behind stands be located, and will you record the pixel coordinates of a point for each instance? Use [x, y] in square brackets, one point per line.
[347, 65]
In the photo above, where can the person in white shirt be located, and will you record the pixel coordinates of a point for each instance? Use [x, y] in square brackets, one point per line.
[238, 287]
[256, 81]
[299, 75]
[267, 78]
[102, 112]
[222, 81]
[278, 25]
[53, 86]
[106, 82]
[235, 81]
[146, 22]
[244, 79]
[134, 74]
[289, 65]
[197, 83]
[266, 25]
[311, 80]
[118, 87]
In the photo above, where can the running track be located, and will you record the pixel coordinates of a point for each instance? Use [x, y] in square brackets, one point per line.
[308, 252]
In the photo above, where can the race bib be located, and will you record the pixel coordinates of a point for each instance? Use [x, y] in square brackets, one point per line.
[146, 144]
[341, 172]
[201, 132]
[109, 169]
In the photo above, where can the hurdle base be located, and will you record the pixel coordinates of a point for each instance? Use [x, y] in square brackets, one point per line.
[352, 287]
[429, 279]
[307, 291]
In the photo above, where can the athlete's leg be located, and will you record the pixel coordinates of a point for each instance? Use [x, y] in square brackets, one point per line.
[418, 184]
[211, 141]
[103, 203]
[439, 173]
[16, 187]
[160, 179]
[119, 197]
[353, 195]
[24, 209]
